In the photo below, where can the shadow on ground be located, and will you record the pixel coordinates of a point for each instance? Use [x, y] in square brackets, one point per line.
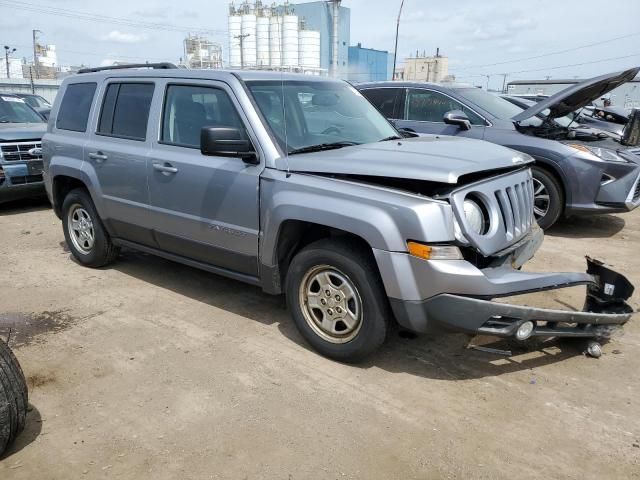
[593, 226]
[32, 429]
[18, 207]
[444, 357]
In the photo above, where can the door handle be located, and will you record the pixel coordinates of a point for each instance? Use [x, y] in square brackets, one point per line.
[98, 156]
[166, 168]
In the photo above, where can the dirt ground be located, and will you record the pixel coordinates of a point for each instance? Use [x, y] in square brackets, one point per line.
[152, 370]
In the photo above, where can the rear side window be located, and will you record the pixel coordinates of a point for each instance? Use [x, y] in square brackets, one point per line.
[76, 104]
[125, 110]
[388, 100]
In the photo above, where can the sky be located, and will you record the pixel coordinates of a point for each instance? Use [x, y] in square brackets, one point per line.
[475, 35]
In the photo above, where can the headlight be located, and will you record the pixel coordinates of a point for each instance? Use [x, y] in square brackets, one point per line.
[474, 215]
[603, 154]
[434, 252]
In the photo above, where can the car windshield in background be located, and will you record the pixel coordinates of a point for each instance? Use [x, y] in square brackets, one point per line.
[304, 115]
[36, 101]
[15, 110]
[496, 106]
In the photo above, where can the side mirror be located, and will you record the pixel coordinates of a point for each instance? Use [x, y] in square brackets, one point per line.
[457, 117]
[227, 142]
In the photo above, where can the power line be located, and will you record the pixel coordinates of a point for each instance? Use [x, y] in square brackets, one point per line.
[557, 52]
[33, 7]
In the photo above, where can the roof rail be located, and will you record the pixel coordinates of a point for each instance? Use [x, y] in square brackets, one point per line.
[161, 66]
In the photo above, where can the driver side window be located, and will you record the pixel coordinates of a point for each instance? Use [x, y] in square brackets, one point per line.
[430, 106]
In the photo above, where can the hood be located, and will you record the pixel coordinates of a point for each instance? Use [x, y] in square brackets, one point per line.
[578, 95]
[431, 158]
[16, 132]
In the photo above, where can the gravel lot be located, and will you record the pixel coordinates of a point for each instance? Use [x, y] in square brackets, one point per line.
[149, 369]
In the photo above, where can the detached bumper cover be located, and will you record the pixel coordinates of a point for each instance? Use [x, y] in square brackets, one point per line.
[605, 307]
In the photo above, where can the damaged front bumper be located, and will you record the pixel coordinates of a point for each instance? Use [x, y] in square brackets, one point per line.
[605, 306]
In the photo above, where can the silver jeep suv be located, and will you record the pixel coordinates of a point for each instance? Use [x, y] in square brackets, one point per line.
[298, 185]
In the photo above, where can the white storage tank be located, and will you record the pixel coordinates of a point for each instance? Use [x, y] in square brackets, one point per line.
[262, 38]
[290, 48]
[235, 30]
[249, 54]
[275, 40]
[309, 56]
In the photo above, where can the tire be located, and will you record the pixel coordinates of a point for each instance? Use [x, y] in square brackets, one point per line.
[546, 183]
[96, 253]
[357, 295]
[13, 397]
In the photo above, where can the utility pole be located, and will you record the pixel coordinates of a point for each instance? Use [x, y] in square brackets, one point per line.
[395, 51]
[335, 5]
[241, 38]
[7, 51]
[488, 77]
[35, 52]
[504, 82]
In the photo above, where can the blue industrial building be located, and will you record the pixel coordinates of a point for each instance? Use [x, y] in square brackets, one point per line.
[317, 16]
[369, 65]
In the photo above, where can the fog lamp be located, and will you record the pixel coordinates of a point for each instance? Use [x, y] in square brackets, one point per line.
[525, 330]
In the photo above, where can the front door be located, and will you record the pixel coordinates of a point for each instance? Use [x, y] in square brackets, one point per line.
[204, 208]
[117, 154]
[425, 110]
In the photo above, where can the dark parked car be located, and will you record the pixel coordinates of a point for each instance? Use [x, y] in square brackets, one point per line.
[21, 130]
[572, 175]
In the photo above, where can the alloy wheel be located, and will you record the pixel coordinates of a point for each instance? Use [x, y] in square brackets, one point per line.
[81, 229]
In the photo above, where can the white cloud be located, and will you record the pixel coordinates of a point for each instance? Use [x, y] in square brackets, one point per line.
[123, 37]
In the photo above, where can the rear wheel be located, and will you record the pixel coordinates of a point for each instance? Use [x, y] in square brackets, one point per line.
[548, 198]
[337, 300]
[13, 397]
[86, 237]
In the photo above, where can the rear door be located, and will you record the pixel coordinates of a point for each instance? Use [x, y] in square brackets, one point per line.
[204, 208]
[117, 154]
[425, 109]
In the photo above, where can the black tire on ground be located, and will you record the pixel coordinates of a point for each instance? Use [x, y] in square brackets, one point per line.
[556, 196]
[354, 261]
[13, 397]
[103, 251]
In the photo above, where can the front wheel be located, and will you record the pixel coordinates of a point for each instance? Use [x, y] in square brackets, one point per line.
[548, 198]
[337, 300]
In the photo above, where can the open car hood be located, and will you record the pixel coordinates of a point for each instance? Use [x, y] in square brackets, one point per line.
[432, 158]
[578, 95]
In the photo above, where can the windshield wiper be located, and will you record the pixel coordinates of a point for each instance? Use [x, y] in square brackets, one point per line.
[322, 146]
[392, 137]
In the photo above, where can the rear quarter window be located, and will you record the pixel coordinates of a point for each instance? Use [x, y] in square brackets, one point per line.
[75, 106]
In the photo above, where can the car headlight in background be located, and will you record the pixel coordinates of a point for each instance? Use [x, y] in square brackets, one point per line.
[604, 154]
[475, 216]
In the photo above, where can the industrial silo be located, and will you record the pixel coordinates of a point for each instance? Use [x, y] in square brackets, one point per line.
[290, 46]
[262, 36]
[275, 39]
[309, 44]
[235, 30]
[249, 53]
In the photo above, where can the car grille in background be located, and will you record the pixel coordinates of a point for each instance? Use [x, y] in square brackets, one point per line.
[13, 152]
[636, 192]
[26, 179]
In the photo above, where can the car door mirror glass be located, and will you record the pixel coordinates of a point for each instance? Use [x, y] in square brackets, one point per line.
[457, 117]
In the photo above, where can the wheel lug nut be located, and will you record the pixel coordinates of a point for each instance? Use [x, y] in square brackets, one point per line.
[327, 293]
[323, 301]
[337, 298]
[330, 312]
[338, 310]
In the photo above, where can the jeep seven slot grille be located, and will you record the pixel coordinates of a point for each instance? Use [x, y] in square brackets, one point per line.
[14, 152]
[516, 207]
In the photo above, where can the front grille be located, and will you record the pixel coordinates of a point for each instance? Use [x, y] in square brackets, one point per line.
[636, 192]
[508, 202]
[14, 152]
[26, 179]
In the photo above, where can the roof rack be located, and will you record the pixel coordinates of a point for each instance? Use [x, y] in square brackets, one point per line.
[160, 66]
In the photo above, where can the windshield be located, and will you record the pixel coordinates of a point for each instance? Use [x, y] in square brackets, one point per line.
[36, 101]
[496, 106]
[14, 110]
[303, 114]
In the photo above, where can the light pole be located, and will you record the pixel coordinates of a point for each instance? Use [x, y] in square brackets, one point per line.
[395, 51]
[8, 51]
